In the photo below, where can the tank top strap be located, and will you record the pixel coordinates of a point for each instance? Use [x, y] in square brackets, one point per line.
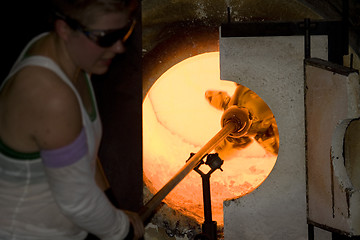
[47, 63]
[26, 48]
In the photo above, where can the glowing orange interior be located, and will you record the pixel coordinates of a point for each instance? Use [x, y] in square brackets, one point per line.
[178, 120]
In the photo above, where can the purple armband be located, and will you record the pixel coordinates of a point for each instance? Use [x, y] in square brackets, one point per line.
[67, 155]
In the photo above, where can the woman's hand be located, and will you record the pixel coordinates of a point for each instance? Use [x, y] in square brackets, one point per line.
[137, 224]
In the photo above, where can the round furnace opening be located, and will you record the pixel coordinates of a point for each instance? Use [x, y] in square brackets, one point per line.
[181, 112]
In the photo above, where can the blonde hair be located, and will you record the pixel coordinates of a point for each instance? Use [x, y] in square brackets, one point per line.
[85, 11]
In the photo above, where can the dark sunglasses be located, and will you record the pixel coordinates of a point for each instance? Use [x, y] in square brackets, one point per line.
[103, 38]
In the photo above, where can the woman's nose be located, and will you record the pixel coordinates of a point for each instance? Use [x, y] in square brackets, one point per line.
[118, 47]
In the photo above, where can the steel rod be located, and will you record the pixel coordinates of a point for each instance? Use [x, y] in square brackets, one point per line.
[156, 200]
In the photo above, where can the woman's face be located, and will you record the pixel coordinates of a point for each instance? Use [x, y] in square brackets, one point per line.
[87, 54]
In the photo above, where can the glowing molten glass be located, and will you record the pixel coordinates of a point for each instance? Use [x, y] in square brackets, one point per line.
[181, 113]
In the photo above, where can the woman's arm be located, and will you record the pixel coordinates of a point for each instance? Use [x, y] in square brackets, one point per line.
[54, 123]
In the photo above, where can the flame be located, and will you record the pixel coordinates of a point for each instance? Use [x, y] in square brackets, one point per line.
[178, 119]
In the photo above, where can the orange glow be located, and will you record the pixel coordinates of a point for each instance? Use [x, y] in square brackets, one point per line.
[178, 120]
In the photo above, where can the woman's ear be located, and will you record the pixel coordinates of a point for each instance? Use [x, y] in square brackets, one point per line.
[62, 29]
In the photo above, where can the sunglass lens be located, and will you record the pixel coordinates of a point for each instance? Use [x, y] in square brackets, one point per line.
[110, 38]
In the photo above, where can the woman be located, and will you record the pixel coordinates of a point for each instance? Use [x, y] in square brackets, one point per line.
[50, 128]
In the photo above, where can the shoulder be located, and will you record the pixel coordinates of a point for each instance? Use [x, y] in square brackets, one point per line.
[38, 77]
[47, 105]
[42, 90]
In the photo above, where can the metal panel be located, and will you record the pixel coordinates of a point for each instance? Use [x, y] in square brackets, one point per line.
[332, 102]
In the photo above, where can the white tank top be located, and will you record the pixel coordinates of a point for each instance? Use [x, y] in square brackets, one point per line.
[27, 207]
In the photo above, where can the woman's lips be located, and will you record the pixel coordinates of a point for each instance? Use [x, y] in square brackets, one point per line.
[107, 62]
